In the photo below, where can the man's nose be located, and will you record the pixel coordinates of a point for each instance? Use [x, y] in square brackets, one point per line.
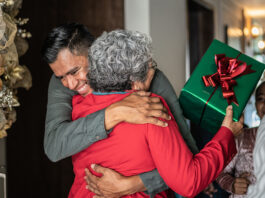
[70, 82]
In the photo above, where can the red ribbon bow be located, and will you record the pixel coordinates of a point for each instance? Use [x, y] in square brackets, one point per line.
[227, 69]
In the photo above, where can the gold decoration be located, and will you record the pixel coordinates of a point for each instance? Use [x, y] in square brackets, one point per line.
[3, 133]
[1, 84]
[22, 46]
[2, 119]
[9, 34]
[6, 3]
[13, 9]
[12, 74]
[26, 80]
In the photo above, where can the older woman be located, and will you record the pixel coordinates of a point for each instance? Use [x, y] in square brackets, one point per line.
[121, 62]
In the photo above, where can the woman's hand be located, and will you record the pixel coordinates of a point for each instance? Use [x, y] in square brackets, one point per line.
[228, 122]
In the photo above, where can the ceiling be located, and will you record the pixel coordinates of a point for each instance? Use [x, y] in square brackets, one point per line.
[251, 3]
[253, 8]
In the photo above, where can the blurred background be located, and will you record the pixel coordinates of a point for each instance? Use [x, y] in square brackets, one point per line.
[181, 31]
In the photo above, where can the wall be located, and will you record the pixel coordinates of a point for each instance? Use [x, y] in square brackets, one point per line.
[169, 32]
[165, 21]
[137, 15]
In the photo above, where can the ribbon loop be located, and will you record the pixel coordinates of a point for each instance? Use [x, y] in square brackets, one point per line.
[227, 69]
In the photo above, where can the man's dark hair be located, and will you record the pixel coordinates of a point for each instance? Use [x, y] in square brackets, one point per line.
[258, 90]
[72, 36]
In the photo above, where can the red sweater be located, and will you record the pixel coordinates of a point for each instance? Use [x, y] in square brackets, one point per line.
[132, 149]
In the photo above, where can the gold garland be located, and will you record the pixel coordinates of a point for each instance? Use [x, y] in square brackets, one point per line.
[13, 44]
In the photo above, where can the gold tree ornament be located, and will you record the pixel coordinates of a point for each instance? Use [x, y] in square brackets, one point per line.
[22, 46]
[12, 9]
[6, 3]
[3, 133]
[9, 32]
[1, 84]
[7, 100]
[13, 44]
[25, 80]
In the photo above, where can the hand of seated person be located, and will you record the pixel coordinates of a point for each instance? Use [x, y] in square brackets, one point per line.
[112, 184]
[210, 190]
[240, 185]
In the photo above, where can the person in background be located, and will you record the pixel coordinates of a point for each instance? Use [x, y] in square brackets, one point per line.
[65, 50]
[238, 174]
[257, 190]
[121, 62]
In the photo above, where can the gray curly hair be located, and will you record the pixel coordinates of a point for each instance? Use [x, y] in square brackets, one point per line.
[117, 59]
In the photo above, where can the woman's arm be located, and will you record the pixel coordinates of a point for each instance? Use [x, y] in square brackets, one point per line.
[227, 178]
[183, 172]
[162, 87]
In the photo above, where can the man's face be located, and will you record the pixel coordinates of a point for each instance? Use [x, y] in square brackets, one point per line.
[260, 102]
[72, 70]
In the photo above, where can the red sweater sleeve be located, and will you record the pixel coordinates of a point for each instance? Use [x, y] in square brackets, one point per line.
[185, 173]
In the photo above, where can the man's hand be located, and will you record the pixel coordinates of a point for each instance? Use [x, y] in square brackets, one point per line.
[112, 184]
[137, 108]
[240, 185]
[228, 122]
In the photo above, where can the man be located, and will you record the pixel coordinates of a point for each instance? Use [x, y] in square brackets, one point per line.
[65, 50]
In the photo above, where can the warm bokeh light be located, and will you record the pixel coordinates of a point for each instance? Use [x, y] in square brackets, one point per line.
[261, 45]
[257, 13]
[255, 31]
[246, 31]
[234, 32]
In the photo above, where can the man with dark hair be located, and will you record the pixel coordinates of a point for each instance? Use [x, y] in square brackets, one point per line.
[66, 50]
[73, 36]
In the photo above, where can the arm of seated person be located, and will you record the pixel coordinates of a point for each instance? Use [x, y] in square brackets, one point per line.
[64, 137]
[112, 184]
[227, 179]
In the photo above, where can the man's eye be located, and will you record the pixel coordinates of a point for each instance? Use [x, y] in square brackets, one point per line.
[75, 71]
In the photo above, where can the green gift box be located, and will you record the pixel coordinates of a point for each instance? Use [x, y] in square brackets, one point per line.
[204, 104]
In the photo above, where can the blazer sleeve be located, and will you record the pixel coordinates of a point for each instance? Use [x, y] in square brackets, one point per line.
[64, 137]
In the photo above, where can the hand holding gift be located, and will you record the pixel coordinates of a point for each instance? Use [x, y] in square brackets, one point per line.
[228, 122]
